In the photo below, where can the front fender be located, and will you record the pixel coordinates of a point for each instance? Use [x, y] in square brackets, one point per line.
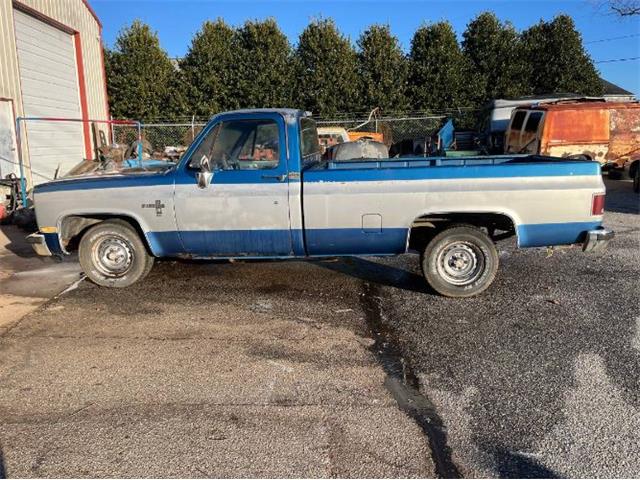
[100, 215]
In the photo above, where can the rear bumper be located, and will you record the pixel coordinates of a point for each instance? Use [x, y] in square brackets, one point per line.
[39, 243]
[597, 239]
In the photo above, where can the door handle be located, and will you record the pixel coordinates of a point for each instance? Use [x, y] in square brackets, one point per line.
[280, 178]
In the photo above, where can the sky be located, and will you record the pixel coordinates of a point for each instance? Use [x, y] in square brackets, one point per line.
[176, 21]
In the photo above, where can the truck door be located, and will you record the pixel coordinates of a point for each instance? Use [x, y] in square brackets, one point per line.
[244, 210]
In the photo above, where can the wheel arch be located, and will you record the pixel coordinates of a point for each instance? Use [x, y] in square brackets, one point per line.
[73, 225]
[428, 224]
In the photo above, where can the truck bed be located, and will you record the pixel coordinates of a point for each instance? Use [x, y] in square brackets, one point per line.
[368, 206]
[443, 168]
[415, 162]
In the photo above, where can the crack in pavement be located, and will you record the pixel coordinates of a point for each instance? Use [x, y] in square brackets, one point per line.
[404, 387]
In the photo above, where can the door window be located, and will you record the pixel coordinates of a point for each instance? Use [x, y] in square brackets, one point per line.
[529, 135]
[518, 120]
[203, 152]
[514, 132]
[533, 121]
[241, 145]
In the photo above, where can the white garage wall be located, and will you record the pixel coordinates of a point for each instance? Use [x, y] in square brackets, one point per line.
[8, 150]
[49, 81]
[75, 15]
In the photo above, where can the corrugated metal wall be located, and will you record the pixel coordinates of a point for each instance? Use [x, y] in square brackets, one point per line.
[76, 15]
[9, 80]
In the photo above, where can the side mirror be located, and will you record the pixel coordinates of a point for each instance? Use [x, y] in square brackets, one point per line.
[204, 178]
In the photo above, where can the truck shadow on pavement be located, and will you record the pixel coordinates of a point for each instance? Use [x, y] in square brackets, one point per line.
[16, 241]
[379, 273]
[356, 267]
[516, 465]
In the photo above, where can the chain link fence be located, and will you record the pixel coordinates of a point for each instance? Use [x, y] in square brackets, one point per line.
[393, 129]
[164, 136]
[160, 135]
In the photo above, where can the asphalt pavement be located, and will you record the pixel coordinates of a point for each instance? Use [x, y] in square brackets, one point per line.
[258, 369]
[348, 367]
[538, 377]
[26, 279]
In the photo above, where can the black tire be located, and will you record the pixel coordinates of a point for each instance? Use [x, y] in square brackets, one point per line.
[112, 254]
[460, 261]
[634, 175]
[615, 174]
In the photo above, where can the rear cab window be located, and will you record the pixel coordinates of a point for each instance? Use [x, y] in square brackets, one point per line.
[309, 145]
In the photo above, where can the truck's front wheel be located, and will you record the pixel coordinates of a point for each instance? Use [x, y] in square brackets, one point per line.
[460, 261]
[112, 254]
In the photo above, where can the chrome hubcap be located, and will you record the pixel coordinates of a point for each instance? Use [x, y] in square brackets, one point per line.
[112, 256]
[460, 263]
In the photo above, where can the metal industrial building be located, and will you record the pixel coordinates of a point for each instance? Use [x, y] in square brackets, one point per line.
[51, 65]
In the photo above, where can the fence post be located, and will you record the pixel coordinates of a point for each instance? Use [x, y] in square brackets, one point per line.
[23, 180]
[139, 144]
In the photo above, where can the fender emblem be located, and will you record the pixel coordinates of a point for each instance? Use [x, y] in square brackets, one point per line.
[158, 205]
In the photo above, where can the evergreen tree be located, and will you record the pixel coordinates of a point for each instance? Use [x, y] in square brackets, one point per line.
[441, 78]
[138, 74]
[495, 51]
[209, 69]
[177, 105]
[382, 69]
[557, 60]
[326, 78]
[264, 68]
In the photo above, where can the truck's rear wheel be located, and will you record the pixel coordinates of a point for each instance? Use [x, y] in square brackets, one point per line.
[460, 261]
[112, 254]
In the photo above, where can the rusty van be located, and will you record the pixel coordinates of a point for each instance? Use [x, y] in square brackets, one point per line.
[608, 132]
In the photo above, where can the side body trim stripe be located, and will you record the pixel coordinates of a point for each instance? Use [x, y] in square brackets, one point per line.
[336, 241]
[506, 170]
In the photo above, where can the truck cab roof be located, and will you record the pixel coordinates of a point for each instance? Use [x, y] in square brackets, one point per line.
[287, 112]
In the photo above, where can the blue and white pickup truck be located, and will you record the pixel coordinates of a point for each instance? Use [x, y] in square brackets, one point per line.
[253, 185]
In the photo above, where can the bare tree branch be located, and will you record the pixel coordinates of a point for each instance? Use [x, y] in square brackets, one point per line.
[623, 8]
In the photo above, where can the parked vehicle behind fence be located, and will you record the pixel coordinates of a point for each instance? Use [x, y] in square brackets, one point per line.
[496, 115]
[607, 132]
[330, 136]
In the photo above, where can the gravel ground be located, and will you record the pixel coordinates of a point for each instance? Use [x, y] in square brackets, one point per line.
[538, 377]
[270, 369]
